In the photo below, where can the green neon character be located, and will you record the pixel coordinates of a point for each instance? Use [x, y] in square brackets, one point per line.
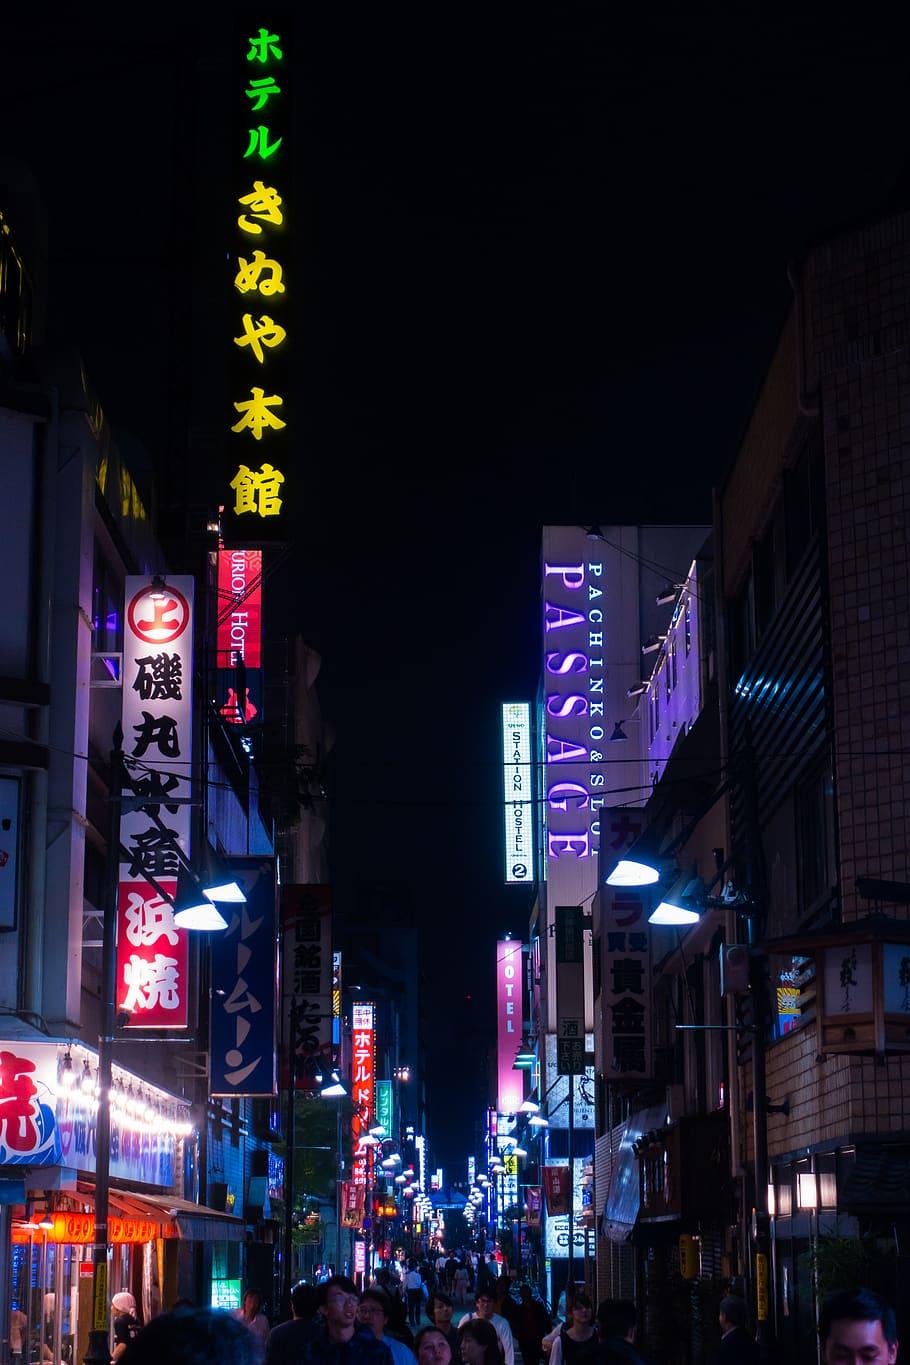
[259, 143]
[260, 90]
[265, 46]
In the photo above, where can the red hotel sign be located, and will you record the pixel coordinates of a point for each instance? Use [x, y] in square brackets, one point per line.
[239, 632]
[363, 1081]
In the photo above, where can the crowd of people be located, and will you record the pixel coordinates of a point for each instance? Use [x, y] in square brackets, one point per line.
[334, 1323]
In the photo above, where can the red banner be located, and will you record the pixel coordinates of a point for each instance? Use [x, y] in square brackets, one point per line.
[557, 1189]
[533, 1200]
[352, 1198]
[239, 632]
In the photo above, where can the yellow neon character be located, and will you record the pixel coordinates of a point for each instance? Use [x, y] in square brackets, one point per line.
[257, 490]
[250, 275]
[263, 201]
[265, 332]
[257, 414]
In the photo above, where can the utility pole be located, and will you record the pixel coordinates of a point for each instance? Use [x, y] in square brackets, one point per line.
[570, 1287]
[98, 1352]
[290, 1142]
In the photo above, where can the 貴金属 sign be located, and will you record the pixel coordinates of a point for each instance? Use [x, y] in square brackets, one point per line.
[306, 975]
[152, 984]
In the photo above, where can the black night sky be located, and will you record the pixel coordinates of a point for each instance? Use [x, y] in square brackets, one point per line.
[544, 263]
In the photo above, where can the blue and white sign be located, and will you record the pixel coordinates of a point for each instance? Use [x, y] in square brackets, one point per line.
[29, 1135]
[518, 792]
[244, 987]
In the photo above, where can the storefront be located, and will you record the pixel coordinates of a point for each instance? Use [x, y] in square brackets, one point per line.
[48, 1118]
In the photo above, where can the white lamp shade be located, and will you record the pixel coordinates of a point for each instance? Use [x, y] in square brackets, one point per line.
[628, 872]
[204, 916]
[666, 913]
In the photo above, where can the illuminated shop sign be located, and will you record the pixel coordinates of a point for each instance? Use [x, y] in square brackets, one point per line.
[238, 638]
[509, 1018]
[260, 424]
[518, 795]
[244, 987]
[152, 984]
[363, 1082]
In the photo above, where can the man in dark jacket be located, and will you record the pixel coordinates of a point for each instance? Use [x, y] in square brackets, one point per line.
[617, 1323]
[736, 1345]
[287, 1340]
[343, 1341]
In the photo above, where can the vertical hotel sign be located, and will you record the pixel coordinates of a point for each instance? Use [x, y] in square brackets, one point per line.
[509, 1018]
[238, 636]
[363, 1082]
[518, 797]
[260, 427]
[152, 984]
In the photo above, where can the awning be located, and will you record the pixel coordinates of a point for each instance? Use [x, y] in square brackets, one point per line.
[131, 1219]
[624, 1196]
[196, 1223]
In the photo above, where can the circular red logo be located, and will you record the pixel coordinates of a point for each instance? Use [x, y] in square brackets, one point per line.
[158, 616]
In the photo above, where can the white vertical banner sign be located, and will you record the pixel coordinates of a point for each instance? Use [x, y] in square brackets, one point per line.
[517, 792]
[152, 975]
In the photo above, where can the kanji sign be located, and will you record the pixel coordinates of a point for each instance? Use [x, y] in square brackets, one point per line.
[158, 743]
[626, 964]
[306, 974]
[261, 388]
[244, 987]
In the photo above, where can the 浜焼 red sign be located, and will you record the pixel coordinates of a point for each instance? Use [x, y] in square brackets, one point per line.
[152, 984]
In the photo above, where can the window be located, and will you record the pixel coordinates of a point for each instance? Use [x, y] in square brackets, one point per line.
[815, 837]
[107, 608]
[742, 629]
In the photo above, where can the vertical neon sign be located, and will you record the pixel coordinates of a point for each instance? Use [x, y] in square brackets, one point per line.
[363, 1083]
[509, 1018]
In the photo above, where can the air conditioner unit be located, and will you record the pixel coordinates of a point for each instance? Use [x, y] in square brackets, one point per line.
[734, 968]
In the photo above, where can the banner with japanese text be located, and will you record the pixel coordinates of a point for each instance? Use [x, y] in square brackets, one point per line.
[557, 1188]
[626, 966]
[306, 977]
[533, 1204]
[244, 986]
[363, 1083]
[352, 1203]
[152, 974]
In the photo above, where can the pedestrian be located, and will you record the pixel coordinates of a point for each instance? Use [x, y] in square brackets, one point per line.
[251, 1313]
[199, 1336]
[577, 1342]
[433, 1347]
[480, 1343]
[124, 1322]
[286, 1340]
[374, 1312]
[343, 1340]
[532, 1323]
[451, 1269]
[617, 1324]
[440, 1310]
[737, 1347]
[486, 1312]
[414, 1288]
[460, 1285]
[857, 1327]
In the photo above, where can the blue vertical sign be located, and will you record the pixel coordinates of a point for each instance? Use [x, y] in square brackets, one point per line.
[244, 987]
